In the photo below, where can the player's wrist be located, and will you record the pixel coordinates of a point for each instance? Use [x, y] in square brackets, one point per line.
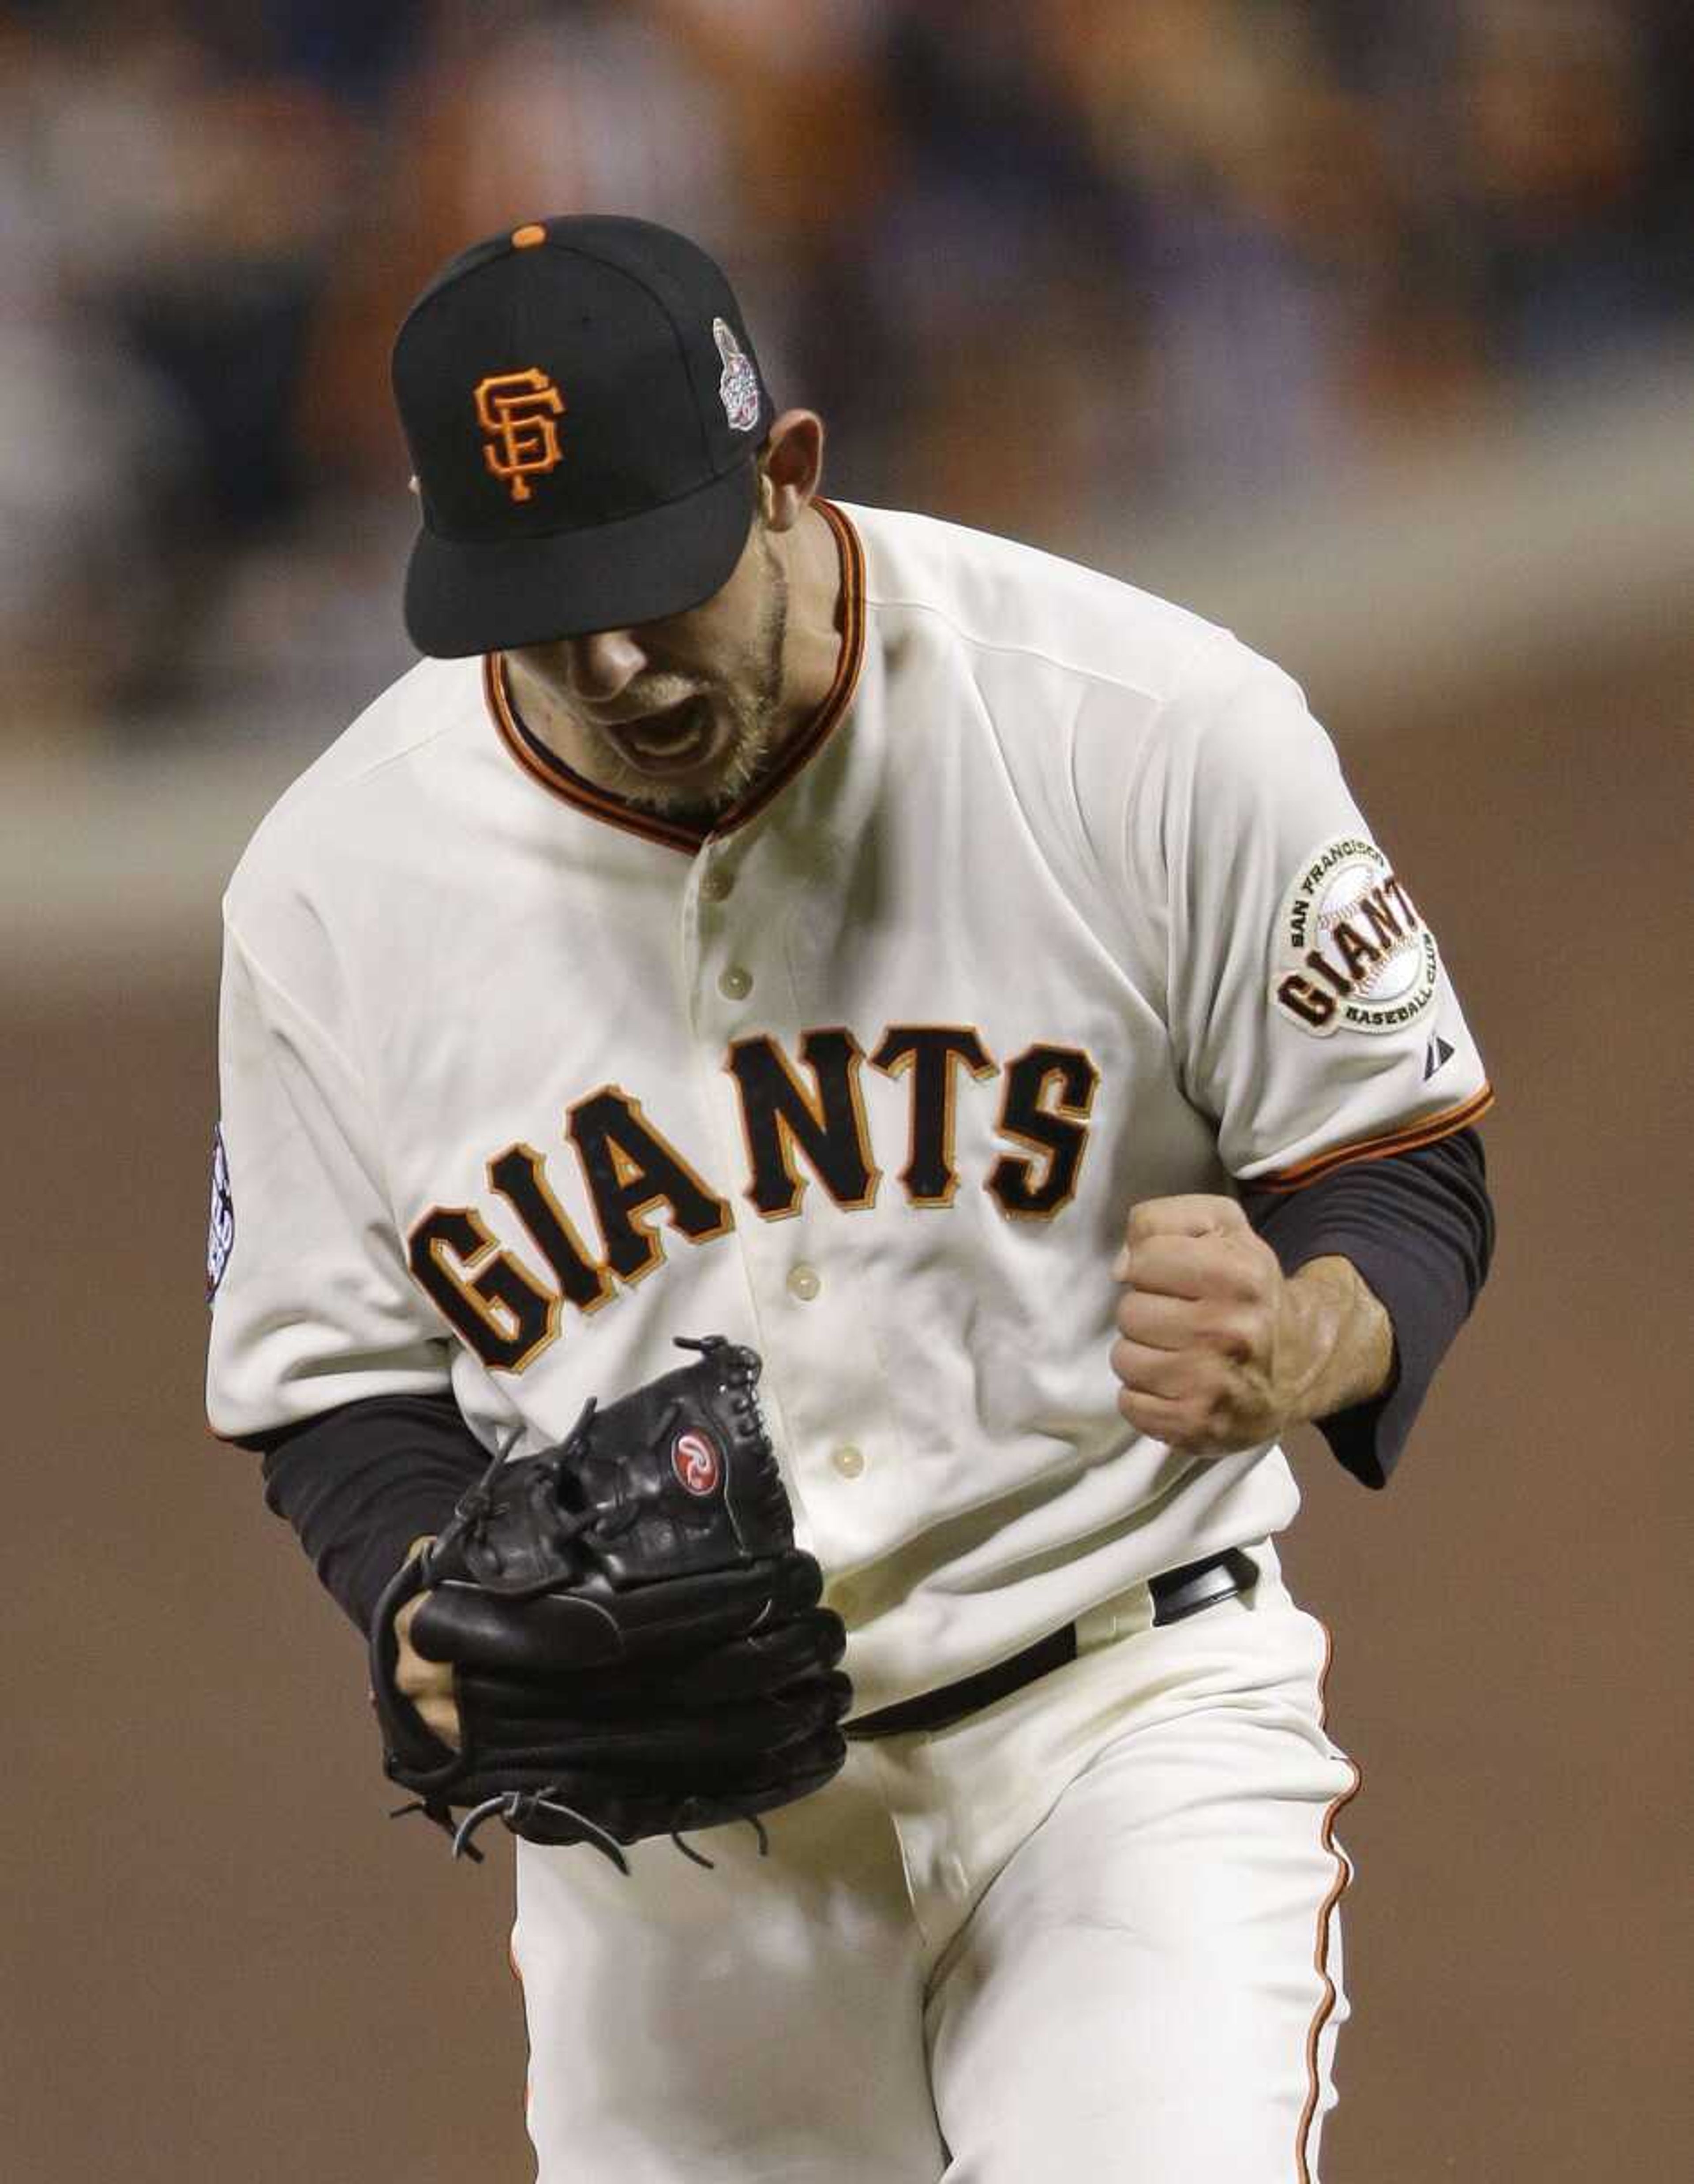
[1338, 1341]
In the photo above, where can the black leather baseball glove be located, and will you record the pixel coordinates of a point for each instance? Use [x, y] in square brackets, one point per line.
[637, 1642]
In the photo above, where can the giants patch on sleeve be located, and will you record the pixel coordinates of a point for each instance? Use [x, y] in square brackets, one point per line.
[1353, 952]
[221, 1233]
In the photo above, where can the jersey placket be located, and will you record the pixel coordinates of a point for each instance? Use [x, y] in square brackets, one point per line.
[823, 1383]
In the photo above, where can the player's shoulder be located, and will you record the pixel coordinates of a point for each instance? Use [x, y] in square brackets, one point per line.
[327, 808]
[1016, 604]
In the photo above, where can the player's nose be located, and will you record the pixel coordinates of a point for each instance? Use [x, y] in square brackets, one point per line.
[601, 666]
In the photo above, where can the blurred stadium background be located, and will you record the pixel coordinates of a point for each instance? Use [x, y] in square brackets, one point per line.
[1365, 327]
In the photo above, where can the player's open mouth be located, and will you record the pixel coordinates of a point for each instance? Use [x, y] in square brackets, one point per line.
[668, 742]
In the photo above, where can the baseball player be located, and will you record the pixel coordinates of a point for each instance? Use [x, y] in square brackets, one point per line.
[967, 982]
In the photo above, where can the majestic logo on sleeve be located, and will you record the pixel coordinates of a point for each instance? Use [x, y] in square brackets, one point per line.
[1354, 953]
[516, 410]
[220, 1235]
[737, 385]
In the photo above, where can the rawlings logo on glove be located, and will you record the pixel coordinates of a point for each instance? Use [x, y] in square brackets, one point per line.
[637, 1644]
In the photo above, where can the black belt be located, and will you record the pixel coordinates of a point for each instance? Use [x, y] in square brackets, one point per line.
[1177, 1594]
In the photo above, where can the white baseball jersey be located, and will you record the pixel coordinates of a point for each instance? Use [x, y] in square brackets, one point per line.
[1061, 903]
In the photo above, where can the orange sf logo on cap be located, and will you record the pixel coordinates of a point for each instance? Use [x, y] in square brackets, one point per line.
[517, 410]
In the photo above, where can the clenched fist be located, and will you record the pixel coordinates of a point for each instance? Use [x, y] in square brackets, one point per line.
[1218, 1350]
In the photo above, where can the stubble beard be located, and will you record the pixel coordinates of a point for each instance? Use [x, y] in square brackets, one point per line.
[751, 699]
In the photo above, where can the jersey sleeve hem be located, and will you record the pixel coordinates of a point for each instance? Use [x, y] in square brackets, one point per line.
[1407, 1139]
[259, 1438]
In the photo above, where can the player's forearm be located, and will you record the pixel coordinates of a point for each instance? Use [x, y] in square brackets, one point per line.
[1338, 1342]
[360, 1483]
[1418, 1227]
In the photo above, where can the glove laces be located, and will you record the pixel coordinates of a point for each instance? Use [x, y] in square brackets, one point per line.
[515, 1807]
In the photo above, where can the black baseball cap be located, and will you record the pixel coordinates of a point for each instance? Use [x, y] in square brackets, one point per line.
[583, 409]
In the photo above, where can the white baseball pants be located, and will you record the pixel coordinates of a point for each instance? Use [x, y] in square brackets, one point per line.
[1085, 1937]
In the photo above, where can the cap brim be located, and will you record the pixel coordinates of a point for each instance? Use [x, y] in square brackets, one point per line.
[463, 599]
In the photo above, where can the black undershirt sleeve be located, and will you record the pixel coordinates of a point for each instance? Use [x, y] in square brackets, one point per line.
[360, 1484]
[1419, 1228]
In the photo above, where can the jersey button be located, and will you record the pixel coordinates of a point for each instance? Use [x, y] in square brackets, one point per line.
[718, 885]
[805, 1282]
[735, 984]
[850, 1462]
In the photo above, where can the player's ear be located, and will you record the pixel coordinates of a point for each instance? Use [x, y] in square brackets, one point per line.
[791, 468]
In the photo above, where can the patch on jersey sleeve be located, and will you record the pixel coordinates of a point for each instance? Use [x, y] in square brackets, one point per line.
[221, 1233]
[1353, 954]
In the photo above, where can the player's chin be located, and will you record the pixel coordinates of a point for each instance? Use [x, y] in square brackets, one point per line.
[717, 779]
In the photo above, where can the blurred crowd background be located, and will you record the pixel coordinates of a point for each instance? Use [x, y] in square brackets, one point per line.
[1044, 265]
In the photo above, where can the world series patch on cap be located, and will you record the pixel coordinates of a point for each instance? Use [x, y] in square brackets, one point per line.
[583, 409]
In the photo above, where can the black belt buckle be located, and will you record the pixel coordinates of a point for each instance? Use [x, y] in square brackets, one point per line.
[1179, 1593]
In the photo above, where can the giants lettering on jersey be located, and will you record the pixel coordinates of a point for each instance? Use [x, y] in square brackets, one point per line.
[801, 1119]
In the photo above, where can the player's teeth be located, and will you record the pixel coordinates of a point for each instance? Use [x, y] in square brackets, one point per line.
[658, 743]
